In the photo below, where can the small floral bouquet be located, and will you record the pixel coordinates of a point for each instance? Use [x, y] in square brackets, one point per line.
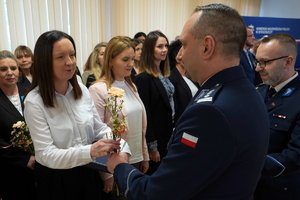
[20, 137]
[118, 125]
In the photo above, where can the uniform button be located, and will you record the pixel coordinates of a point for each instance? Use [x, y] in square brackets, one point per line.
[285, 189]
[275, 125]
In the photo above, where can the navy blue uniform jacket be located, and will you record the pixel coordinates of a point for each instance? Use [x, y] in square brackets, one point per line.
[224, 124]
[282, 165]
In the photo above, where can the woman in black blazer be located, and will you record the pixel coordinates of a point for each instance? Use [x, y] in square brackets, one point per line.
[24, 56]
[16, 165]
[156, 92]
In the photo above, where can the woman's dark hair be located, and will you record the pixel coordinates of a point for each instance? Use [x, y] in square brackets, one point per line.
[43, 75]
[139, 34]
[136, 42]
[147, 57]
[173, 51]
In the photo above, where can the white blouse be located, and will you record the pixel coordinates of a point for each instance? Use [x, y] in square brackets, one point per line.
[134, 117]
[191, 85]
[62, 136]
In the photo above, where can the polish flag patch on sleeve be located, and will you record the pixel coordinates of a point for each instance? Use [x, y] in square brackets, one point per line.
[189, 140]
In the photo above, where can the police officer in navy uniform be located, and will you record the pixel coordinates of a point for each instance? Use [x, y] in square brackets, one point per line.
[276, 56]
[219, 144]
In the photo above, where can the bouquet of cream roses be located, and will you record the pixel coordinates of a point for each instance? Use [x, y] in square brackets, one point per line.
[119, 124]
[20, 137]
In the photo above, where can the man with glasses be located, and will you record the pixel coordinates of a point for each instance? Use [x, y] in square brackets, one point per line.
[276, 57]
[247, 59]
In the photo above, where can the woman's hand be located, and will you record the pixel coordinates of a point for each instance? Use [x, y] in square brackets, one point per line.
[31, 162]
[108, 184]
[155, 156]
[125, 156]
[104, 147]
[144, 166]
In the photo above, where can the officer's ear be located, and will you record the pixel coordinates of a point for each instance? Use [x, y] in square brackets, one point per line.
[288, 62]
[209, 44]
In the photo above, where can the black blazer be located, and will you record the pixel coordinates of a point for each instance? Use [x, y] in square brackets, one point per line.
[133, 75]
[91, 78]
[17, 181]
[158, 108]
[183, 94]
[24, 82]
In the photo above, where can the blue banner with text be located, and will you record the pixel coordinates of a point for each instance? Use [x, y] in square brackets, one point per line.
[263, 26]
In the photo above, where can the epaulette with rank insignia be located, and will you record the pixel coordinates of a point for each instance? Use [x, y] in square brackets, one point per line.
[207, 95]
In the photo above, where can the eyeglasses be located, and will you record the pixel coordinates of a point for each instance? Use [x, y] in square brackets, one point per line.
[263, 63]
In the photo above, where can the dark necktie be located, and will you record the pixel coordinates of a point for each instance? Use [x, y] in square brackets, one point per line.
[271, 92]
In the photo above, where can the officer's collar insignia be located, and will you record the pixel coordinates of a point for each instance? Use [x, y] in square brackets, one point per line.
[206, 97]
[288, 92]
[206, 94]
[273, 103]
[202, 94]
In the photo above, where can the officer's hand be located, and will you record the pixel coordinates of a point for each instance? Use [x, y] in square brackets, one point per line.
[114, 159]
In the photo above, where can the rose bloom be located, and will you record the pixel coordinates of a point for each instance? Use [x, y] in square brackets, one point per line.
[113, 91]
[18, 124]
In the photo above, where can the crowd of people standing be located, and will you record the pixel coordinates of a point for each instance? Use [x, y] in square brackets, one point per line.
[195, 122]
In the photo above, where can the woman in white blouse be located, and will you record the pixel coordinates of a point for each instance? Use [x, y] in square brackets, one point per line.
[117, 66]
[65, 127]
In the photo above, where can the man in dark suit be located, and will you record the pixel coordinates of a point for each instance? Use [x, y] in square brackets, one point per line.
[276, 57]
[219, 144]
[246, 59]
[257, 79]
[185, 89]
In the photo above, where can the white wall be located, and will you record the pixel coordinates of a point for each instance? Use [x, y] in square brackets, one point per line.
[280, 8]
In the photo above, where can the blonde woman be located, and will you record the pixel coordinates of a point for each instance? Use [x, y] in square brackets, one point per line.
[17, 165]
[96, 63]
[24, 56]
[117, 66]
